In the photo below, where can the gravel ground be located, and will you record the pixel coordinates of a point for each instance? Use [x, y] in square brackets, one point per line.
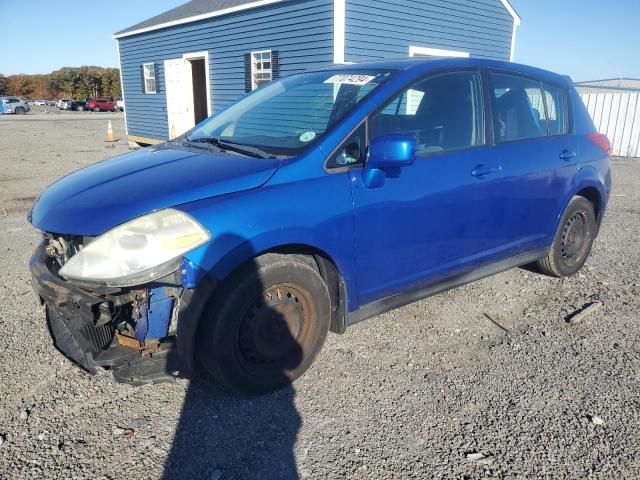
[414, 393]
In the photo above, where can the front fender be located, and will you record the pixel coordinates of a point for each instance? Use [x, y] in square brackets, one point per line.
[315, 213]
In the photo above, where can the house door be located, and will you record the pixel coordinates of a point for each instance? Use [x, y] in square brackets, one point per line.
[179, 90]
[199, 83]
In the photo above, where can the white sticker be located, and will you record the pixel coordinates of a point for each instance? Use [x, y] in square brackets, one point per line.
[350, 79]
[307, 136]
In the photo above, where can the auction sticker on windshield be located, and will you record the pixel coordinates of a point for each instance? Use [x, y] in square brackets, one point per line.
[350, 79]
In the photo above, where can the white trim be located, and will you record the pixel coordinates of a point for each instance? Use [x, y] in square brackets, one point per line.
[512, 12]
[126, 127]
[339, 30]
[513, 42]
[254, 84]
[203, 16]
[436, 52]
[201, 56]
[144, 79]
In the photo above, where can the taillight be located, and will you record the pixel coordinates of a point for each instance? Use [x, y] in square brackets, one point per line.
[602, 142]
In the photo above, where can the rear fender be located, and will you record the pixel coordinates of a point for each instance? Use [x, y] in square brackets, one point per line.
[587, 177]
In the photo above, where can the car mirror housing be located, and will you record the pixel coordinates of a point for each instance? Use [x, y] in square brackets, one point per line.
[387, 154]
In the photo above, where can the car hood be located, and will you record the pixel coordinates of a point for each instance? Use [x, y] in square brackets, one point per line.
[102, 196]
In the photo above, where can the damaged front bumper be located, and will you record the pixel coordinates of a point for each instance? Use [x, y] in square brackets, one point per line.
[143, 335]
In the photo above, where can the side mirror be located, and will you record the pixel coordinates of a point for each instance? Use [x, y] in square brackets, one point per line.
[389, 152]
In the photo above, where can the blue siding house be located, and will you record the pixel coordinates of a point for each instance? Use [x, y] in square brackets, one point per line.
[185, 64]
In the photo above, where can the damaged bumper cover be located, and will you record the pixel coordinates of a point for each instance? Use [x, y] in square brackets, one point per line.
[83, 324]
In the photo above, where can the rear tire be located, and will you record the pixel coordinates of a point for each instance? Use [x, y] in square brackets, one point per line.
[573, 240]
[19, 111]
[265, 325]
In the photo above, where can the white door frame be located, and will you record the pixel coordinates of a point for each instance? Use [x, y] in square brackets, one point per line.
[202, 56]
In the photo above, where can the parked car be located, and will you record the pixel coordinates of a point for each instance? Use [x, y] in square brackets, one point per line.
[75, 105]
[100, 105]
[120, 105]
[15, 105]
[63, 103]
[313, 203]
[50, 103]
[40, 103]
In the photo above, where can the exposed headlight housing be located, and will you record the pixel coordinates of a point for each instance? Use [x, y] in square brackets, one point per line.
[139, 251]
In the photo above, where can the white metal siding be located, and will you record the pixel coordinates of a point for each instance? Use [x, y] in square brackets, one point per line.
[617, 115]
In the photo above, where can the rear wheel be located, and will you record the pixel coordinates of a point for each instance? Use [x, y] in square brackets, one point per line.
[265, 325]
[19, 111]
[573, 240]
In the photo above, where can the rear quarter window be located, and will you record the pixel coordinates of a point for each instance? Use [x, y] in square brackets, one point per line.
[557, 112]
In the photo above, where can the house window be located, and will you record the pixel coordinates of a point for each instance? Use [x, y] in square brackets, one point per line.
[261, 68]
[149, 72]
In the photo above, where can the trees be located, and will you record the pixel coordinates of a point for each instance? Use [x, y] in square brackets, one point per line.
[67, 82]
[20, 85]
[4, 85]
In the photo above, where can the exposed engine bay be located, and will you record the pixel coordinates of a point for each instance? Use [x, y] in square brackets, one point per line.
[97, 325]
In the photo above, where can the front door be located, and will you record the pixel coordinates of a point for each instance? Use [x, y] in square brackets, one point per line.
[179, 91]
[441, 215]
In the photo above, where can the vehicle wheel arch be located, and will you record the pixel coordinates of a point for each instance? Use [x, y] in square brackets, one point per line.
[586, 184]
[326, 265]
[593, 195]
[330, 273]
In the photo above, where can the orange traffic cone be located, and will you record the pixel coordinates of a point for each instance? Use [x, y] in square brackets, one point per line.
[110, 137]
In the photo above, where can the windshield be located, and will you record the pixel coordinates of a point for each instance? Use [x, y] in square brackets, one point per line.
[286, 117]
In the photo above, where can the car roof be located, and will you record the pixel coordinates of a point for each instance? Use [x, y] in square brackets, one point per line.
[433, 64]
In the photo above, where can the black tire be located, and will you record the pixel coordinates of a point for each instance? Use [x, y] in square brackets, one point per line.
[265, 325]
[19, 111]
[573, 241]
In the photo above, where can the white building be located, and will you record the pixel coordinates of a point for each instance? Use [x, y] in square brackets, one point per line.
[614, 106]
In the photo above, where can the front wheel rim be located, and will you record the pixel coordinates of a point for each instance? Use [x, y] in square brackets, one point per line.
[275, 330]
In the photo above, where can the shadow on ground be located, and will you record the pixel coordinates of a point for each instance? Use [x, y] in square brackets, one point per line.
[238, 437]
[224, 435]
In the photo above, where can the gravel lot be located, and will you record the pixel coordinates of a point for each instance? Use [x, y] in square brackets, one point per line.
[410, 394]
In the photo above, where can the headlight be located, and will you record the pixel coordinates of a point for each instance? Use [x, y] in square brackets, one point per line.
[138, 251]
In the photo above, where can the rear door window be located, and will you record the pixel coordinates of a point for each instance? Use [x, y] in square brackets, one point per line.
[556, 103]
[519, 108]
[443, 112]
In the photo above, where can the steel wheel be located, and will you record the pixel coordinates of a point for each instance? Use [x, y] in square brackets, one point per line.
[266, 324]
[573, 238]
[572, 241]
[274, 329]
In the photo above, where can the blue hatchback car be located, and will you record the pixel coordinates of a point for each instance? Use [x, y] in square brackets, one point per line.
[311, 204]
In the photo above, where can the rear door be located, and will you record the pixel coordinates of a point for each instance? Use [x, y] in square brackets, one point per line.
[441, 215]
[538, 156]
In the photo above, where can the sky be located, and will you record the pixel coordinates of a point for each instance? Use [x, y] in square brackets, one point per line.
[587, 39]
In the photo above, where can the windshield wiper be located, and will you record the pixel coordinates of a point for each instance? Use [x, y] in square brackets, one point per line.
[204, 140]
[235, 147]
[244, 149]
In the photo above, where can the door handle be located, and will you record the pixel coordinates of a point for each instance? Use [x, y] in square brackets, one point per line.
[482, 171]
[567, 155]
